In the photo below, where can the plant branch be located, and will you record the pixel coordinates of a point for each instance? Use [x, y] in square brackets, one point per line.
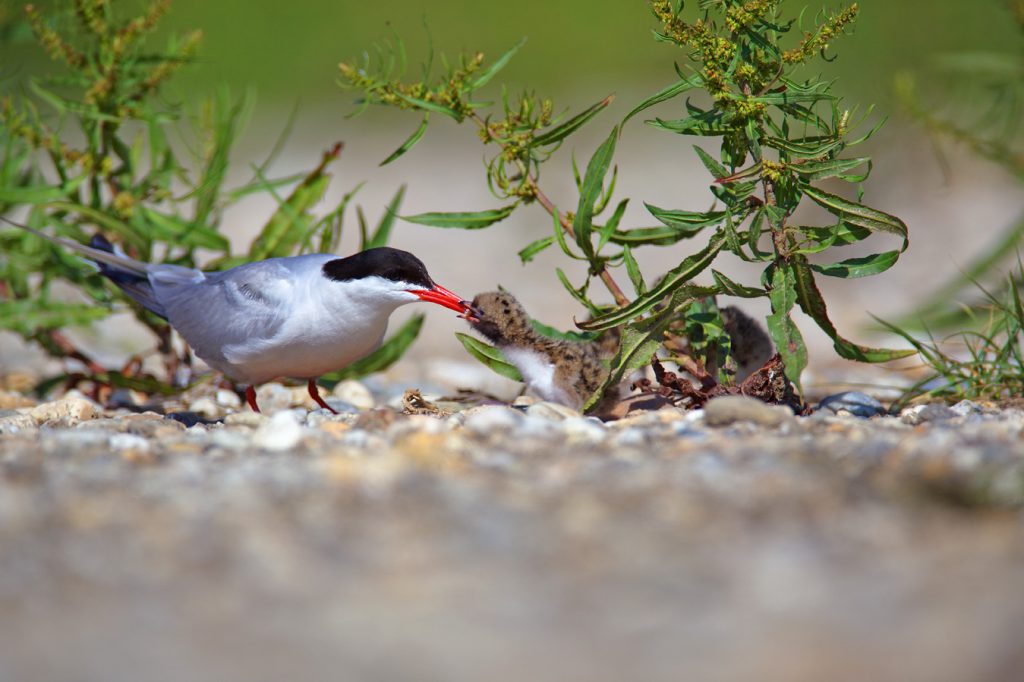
[531, 180]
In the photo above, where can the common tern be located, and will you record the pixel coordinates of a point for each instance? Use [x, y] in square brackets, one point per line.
[297, 316]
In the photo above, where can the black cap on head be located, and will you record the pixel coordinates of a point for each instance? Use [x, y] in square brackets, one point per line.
[393, 264]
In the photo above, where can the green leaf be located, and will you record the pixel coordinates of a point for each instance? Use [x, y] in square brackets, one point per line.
[382, 358]
[859, 267]
[593, 183]
[382, 234]
[462, 221]
[612, 224]
[819, 170]
[578, 294]
[26, 317]
[658, 236]
[177, 232]
[431, 106]
[500, 63]
[563, 130]
[410, 142]
[552, 333]
[731, 288]
[858, 214]
[805, 147]
[490, 356]
[640, 340]
[633, 269]
[688, 223]
[535, 247]
[663, 95]
[812, 303]
[717, 170]
[40, 194]
[675, 279]
[287, 226]
[787, 338]
[130, 234]
[229, 119]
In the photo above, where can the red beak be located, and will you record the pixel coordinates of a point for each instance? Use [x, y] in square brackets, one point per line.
[442, 296]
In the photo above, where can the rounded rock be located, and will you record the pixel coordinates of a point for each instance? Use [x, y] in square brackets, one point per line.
[552, 411]
[281, 432]
[69, 410]
[856, 403]
[919, 414]
[487, 419]
[355, 394]
[729, 409]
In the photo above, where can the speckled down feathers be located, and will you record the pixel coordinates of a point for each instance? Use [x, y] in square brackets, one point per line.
[576, 367]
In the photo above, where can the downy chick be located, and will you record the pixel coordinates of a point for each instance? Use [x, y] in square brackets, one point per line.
[561, 371]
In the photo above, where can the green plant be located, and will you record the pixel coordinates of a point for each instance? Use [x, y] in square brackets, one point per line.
[100, 147]
[780, 137]
[984, 364]
[984, 115]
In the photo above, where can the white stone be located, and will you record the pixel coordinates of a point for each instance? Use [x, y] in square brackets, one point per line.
[129, 441]
[281, 432]
[206, 407]
[488, 419]
[274, 397]
[354, 393]
[551, 411]
[584, 429]
[72, 409]
[227, 398]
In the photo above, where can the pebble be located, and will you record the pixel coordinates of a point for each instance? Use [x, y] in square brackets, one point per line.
[229, 399]
[282, 431]
[246, 418]
[729, 409]
[274, 397]
[584, 429]
[69, 410]
[13, 399]
[967, 408]
[551, 411]
[14, 422]
[129, 441]
[489, 419]
[353, 393]
[206, 407]
[854, 403]
[933, 412]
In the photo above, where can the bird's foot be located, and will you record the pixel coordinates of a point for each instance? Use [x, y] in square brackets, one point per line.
[314, 392]
[250, 397]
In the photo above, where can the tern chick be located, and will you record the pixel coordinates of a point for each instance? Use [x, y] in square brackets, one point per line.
[561, 371]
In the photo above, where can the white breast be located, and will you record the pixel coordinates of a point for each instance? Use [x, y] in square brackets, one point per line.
[539, 374]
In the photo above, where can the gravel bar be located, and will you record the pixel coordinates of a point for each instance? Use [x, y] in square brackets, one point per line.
[497, 542]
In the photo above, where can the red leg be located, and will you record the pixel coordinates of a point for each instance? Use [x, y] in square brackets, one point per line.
[250, 397]
[315, 394]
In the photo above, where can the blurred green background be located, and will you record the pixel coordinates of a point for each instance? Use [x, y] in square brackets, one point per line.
[576, 48]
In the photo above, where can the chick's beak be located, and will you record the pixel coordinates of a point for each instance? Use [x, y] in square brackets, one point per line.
[442, 296]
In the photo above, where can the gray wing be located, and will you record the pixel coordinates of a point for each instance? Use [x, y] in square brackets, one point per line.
[242, 307]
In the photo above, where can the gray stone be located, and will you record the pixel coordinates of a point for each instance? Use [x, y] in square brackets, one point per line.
[729, 409]
[855, 403]
[919, 414]
[966, 408]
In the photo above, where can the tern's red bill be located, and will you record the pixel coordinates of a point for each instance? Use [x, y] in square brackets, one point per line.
[442, 296]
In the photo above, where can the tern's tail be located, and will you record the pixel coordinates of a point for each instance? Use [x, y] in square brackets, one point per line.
[130, 275]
